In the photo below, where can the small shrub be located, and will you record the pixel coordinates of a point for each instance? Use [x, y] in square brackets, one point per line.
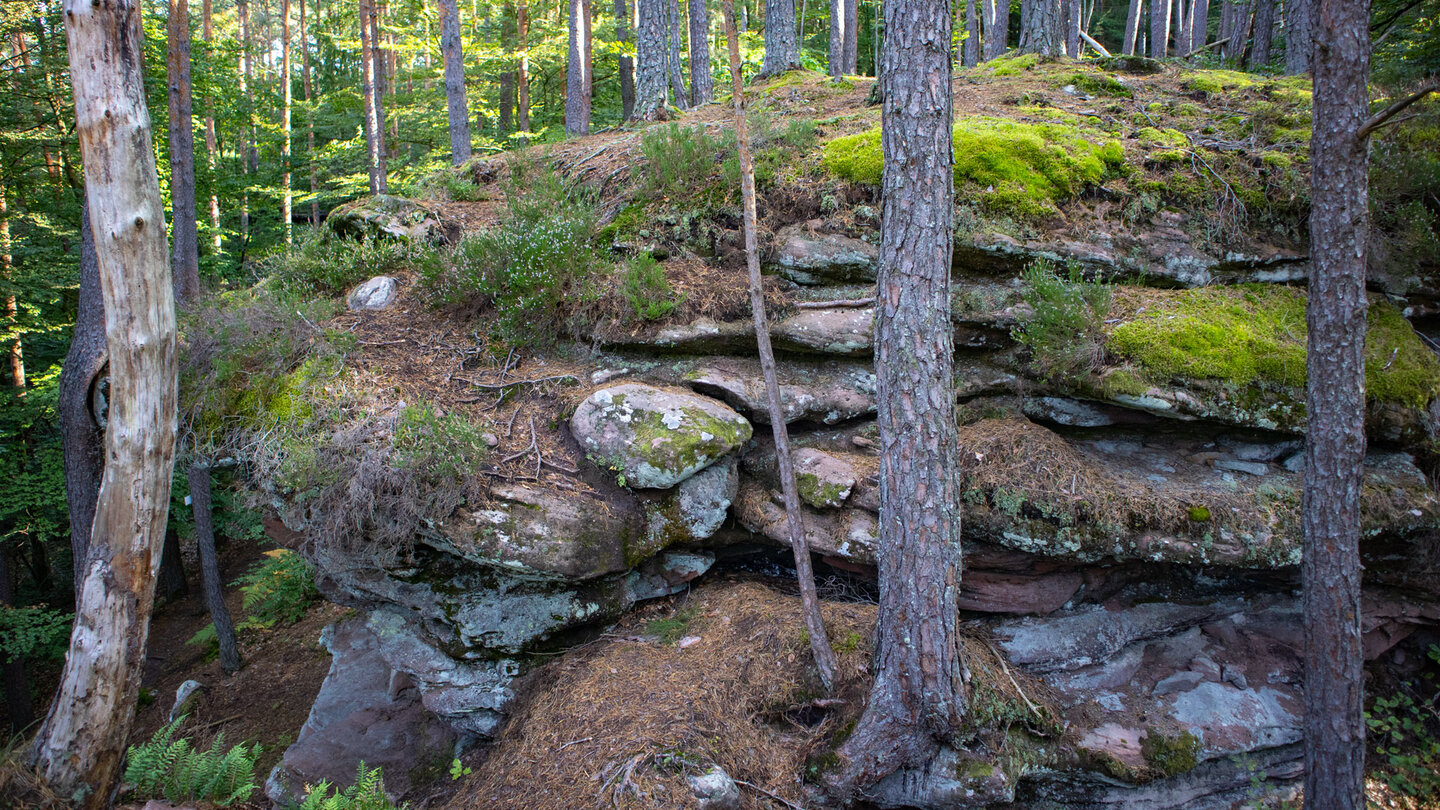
[439, 445]
[278, 590]
[318, 261]
[679, 160]
[643, 283]
[1065, 332]
[1405, 732]
[367, 793]
[176, 771]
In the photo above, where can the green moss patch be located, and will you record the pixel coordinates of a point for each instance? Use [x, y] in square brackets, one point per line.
[1256, 334]
[1010, 168]
[1217, 81]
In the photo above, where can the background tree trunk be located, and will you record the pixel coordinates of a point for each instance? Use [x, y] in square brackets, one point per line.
[507, 78]
[309, 118]
[782, 48]
[16, 353]
[837, 38]
[674, 67]
[81, 434]
[650, 78]
[522, 70]
[1199, 25]
[79, 748]
[917, 702]
[1239, 30]
[702, 83]
[374, 115]
[997, 24]
[1132, 26]
[1180, 15]
[1159, 28]
[198, 477]
[185, 249]
[1335, 402]
[250, 159]
[1263, 32]
[852, 37]
[287, 199]
[970, 53]
[458, 108]
[170, 582]
[577, 83]
[1044, 28]
[625, 62]
[19, 709]
[1297, 36]
[212, 143]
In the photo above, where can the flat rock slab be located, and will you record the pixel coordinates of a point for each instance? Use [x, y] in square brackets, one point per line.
[828, 392]
[806, 255]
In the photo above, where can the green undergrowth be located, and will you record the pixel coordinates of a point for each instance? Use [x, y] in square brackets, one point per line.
[1255, 333]
[1010, 168]
[1065, 331]
[175, 769]
[319, 261]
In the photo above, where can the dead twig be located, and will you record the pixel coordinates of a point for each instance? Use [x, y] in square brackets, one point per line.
[771, 796]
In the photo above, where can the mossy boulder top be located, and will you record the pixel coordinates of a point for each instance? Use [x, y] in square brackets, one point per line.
[655, 438]
[384, 216]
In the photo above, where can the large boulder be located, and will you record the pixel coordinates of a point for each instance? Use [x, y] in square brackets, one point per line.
[806, 255]
[384, 216]
[655, 438]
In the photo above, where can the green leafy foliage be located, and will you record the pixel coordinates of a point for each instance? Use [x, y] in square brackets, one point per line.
[643, 283]
[175, 770]
[437, 444]
[1405, 732]
[35, 632]
[366, 793]
[1065, 331]
[319, 261]
[277, 590]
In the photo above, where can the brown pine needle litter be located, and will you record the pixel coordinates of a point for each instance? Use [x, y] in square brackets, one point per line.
[721, 676]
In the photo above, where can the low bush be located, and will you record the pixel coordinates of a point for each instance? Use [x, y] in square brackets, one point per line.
[645, 288]
[1065, 332]
[319, 261]
[679, 160]
[175, 770]
[366, 793]
[1405, 732]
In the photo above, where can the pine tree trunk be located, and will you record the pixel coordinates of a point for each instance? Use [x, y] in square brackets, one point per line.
[212, 142]
[250, 159]
[625, 62]
[507, 78]
[1072, 28]
[1159, 28]
[837, 38]
[917, 702]
[852, 37]
[79, 749]
[16, 352]
[287, 199]
[457, 106]
[1238, 31]
[674, 66]
[185, 252]
[1181, 21]
[522, 70]
[1199, 25]
[1263, 34]
[1335, 402]
[309, 118]
[578, 79]
[650, 77]
[1297, 36]
[1132, 26]
[997, 25]
[80, 432]
[805, 576]
[1043, 29]
[19, 709]
[970, 52]
[702, 84]
[782, 49]
[374, 116]
[198, 478]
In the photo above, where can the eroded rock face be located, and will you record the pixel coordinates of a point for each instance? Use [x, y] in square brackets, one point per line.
[808, 256]
[365, 710]
[654, 438]
[384, 216]
[827, 392]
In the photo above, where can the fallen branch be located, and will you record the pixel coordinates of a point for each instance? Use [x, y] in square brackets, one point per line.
[1097, 46]
[844, 302]
[500, 385]
[772, 796]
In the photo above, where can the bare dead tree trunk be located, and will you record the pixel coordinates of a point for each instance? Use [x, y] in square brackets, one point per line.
[198, 477]
[626, 64]
[702, 84]
[1335, 402]
[1297, 36]
[81, 434]
[578, 80]
[917, 703]
[309, 117]
[782, 48]
[185, 252]
[1159, 28]
[674, 67]
[451, 47]
[1263, 34]
[522, 70]
[81, 744]
[1132, 26]
[287, 199]
[804, 573]
[212, 143]
[997, 24]
[650, 76]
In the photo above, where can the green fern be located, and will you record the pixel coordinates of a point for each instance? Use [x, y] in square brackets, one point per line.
[367, 793]
[173, 769]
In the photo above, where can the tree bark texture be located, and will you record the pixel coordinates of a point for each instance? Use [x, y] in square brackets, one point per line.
[970, 52]
[185, 247]
[852, 37]
[650, 78]
[1335, 402]
[1238, 31]
[16, 353]
[82, 742]
[1043, 29]
[455, 103]
[1159, 28]
[374, 117]
[1072, 12]
[578, 79]
[997, 24]
[81, 432]
[917, 702]
[782, 48]
[1181, 21]
[309, 119]
[702, 83]
[198, 477]
[1132, 26]
[674, 67]
[1263, 33]
[507, 78]
[837, 38]
[251, 158]
[1199, 25]
[625, 62]
[1298, 35]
